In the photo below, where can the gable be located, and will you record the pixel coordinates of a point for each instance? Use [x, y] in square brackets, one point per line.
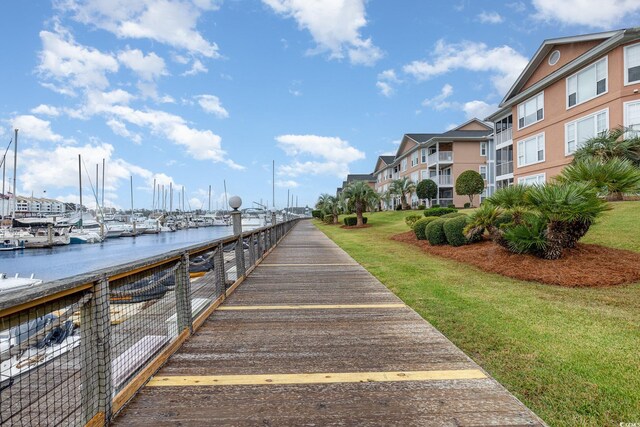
[406, 145]
[568, 52]
[473, 125]
[380, 164]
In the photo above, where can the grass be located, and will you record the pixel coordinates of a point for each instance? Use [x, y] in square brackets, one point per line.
[571, 355]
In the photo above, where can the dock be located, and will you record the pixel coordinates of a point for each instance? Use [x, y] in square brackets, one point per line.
[311, 338]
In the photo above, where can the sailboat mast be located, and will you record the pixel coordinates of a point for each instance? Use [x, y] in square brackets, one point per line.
[15, 176]
[226, 200]
[209, 198]
[4, 170]
[131, 180]
[153, 204]
[171, 197]
[97, 191]
[102, 183]
[80, 186]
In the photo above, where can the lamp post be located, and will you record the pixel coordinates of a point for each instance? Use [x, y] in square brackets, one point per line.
[235, 202]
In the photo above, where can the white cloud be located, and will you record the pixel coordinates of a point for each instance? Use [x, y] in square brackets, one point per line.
[35, 128]
[504, 62]
[439, 102]
[479, 109]
[148, 67]
[171, 22]
[334, 155]
[385, 80]
[71, 64]
[211, 104]
[120, 128]
[196, 68]
[334, 25]
[490, 18]
[592, 13]
[289, 183]
[47, 110]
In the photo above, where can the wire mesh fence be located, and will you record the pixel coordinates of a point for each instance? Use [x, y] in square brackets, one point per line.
[76, 352]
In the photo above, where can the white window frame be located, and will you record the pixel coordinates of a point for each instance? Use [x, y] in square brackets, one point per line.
[541, 94]
[522, 179]
[606, 89]
[486, 171]
[403, 164]
[423, 155]
[626, 72]
[483, 148]
[625, 106]
[544, 149]
[575, 123]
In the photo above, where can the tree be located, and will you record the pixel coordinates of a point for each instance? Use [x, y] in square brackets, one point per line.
[613, 178]
[621, 143]
[469, 183]
[359, 195]
[427, 189]
[400, 187]
[328, 204]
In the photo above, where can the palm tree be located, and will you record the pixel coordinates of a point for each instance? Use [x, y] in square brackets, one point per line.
[328, 204]
[401, 187]
[613, 178]
[360, 196]
[621, 143]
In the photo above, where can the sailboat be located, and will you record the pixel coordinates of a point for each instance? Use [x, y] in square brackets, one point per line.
[80, 235]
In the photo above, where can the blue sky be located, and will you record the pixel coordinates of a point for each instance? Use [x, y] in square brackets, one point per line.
[197, 92]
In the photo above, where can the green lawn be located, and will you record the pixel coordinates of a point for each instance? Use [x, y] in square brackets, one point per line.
[571, 355]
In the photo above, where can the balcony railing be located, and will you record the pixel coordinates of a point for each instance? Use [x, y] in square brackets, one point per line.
[440, 157]
[445, 180]
[504, 168]
[504, 136]
[445, 202]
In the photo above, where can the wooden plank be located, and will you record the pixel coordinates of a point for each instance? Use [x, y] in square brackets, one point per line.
[98, 420]
[314, 378]
[308, 307]
[131, 359]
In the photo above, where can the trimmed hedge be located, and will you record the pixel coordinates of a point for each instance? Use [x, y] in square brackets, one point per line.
[411, 219]
[420, 225]
[316, 213]
[438, 211]
[453, 230]
[422, 207]
[435, 232]
[328, 219]
[453, 215]
[351, 221]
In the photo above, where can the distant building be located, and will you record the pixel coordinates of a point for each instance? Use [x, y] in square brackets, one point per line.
[30, 206]
[573, 89]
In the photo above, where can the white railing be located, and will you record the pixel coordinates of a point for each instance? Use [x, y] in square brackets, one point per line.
[504, 168]
[440, 157]
[445, 202]
[445, 180]
[504, 136]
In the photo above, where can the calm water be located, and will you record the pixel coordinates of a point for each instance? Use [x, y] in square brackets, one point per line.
[64, 261]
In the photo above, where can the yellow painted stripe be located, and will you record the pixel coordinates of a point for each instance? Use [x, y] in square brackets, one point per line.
[308, 265]
[315, 378]
[307, 307]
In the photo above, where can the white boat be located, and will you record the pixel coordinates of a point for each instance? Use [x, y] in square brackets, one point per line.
[84, 236]
[152, 226]
[254, 218]
[38, 237]
[17, 283]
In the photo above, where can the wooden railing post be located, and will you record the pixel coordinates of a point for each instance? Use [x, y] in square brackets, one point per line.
[95, 350]
[252, 250]
[237, 231]
[183, 294]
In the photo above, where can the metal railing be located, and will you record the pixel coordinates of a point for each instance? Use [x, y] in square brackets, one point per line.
[445, 180]
[504, 136]
[445, 202]
[74, 351]
[504, 168]
[440, 157]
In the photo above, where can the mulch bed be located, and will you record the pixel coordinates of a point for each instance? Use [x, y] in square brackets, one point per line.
[586, 265]
[349, 227]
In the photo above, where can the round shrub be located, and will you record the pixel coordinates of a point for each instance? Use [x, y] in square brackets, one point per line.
[351, 221]
[328, 219]
[411, 219]
[435, 232]
[420, 225]
[421, 207]
[453, 230]
[453, 215]
[316, 213]
[438, 211]
[467, 205]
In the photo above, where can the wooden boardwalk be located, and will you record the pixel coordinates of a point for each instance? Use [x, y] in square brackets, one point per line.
[311, 338]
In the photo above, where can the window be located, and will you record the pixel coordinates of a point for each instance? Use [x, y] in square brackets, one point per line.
[632, 117]
[483, 172]
[531, 150]
[632, 64]
[587, 84]
[483, 149]
[531, 111]
[577, 132]
[554, 57]
[404, 164]
[414, 177]
[423, 155]
[532, 179]
[414, 159]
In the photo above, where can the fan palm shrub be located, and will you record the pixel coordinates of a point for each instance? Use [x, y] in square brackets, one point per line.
[482, 220]
[618, 143]
[329, 205]
[612, 178]
[360, 196]
[401, 187]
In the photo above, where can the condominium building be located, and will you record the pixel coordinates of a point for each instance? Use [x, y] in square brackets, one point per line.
[31, 206]
[572, 89]
[441, 157]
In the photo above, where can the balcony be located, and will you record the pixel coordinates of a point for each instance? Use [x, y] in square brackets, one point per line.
[504, 168]
[440, 157]
[445, 202]
[505, 136]
[446, 180]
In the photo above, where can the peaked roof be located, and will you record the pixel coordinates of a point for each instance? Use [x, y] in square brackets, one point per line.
[359, 177]
[387, 159]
